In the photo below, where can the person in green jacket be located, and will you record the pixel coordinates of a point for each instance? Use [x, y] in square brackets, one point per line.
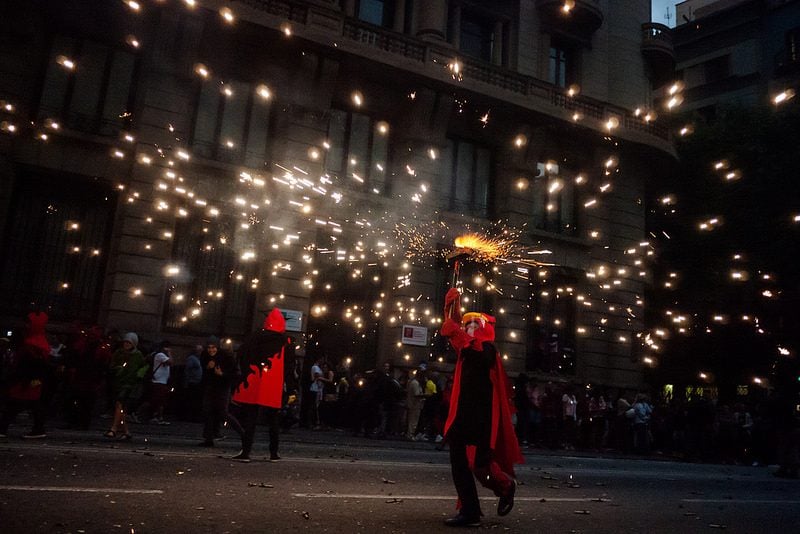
[128, 368]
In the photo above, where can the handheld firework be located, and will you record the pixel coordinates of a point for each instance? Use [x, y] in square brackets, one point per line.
[475, 247]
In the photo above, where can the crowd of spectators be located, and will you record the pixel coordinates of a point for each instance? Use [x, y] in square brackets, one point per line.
[86, 374]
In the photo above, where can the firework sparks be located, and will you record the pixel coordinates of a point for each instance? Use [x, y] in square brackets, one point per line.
[484, 248]
[497, 244]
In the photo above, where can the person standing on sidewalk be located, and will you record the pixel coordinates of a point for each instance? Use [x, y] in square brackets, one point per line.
[219, 374]
[157, 386]
[642, 411]
[262, 361]
[479, 431]
[193, 386]
[128, 367]
[414, 400]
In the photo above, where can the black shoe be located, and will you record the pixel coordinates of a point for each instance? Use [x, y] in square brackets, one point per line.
[206, 443]
[461, 520]
[506, 503]
[274, 457]
[241, 457]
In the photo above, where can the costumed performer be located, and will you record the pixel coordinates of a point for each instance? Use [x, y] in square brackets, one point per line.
[478, 430]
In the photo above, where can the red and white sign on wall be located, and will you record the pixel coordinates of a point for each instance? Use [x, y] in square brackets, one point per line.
[415, 335]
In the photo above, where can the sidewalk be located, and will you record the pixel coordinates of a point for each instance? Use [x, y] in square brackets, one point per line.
[188, 434]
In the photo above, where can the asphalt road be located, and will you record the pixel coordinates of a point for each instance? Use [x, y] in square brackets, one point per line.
[331, 482]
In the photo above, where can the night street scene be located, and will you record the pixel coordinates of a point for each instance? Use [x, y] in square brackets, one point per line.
[399, 266]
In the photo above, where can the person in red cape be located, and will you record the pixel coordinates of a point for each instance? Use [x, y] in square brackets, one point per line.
[478, 430]
[262, 361]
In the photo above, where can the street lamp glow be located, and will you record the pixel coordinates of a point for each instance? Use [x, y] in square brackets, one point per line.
[227, 15]
[783, 96]
[574, 90]
[65, 62]
[675, 88]
[264, 92]
[674, 102]
[202, 70]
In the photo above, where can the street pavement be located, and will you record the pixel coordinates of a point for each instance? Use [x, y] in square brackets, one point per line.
[330, 481]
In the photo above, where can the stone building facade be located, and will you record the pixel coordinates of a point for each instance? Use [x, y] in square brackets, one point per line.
[737, 53]
[178, 168]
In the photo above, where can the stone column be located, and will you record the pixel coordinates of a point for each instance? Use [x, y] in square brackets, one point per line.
[432, 16]
[399, 15]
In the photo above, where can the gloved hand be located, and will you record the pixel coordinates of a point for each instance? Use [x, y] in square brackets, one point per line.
[451, 295]
[452, 305]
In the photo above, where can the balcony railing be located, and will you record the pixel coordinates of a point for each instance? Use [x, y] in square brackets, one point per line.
[394, 43]
[286, 9]
[653, 31]
[433, 56]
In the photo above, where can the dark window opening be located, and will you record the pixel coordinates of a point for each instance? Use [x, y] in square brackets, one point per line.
[554, 200]
[477, 37]
[58, 234]
[232, 123]
[96, 95]
[708, 113]
[359, 150]
[214, 289]
[717, 69]
[562, 68]
[466, 174]
[377, 12]
[551, 339]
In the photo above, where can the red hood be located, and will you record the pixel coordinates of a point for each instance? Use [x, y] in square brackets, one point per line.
[275, 321]
[35, 335]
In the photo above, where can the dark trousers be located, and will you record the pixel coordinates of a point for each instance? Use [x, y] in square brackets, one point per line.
[13, 407]
[215, 411]
[155, 398]
[484, 469]
[246, 419]
[193, 403]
